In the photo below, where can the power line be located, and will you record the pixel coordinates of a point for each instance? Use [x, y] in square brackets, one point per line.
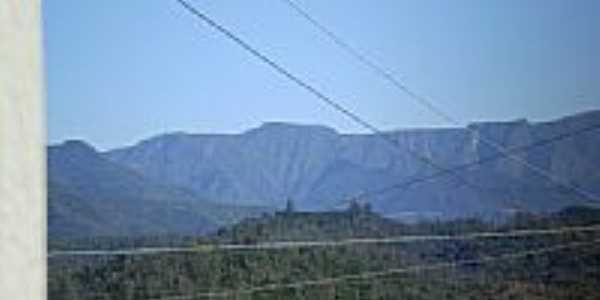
[394, 271]
[383, 73]
[311, 89]
[279, 245]
[463, 167]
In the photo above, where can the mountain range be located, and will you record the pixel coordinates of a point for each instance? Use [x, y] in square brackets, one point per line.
[199, 178]
[91, 196]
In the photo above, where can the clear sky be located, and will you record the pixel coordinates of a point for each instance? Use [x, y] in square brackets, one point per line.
[120, 71]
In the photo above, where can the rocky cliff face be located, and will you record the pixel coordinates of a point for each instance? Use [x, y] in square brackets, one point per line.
[319, 167]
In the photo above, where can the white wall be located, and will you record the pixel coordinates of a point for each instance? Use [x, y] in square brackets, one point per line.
[22, 153]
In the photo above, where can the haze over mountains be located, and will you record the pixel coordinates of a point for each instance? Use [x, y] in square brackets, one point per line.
[318, 168]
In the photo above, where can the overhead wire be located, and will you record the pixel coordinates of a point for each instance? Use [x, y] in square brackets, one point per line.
[416, 180]
[279, 245]
[383, 73]
[392, 271]
[172, 294]
[404, 239]
[318, 94]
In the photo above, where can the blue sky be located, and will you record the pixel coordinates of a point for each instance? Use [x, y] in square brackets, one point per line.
[121, 71]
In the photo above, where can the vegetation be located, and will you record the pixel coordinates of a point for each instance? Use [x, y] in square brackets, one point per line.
[568, 273]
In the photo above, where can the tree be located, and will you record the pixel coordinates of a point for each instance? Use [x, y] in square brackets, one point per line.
[289, 206]
[355, 207]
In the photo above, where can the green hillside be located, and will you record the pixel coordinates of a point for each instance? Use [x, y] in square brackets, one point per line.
[299, 272]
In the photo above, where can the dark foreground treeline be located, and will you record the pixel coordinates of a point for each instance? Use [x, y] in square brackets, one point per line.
[559, 273]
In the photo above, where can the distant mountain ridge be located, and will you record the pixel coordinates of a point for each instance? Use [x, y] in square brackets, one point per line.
[91, 196]
[317, 167]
